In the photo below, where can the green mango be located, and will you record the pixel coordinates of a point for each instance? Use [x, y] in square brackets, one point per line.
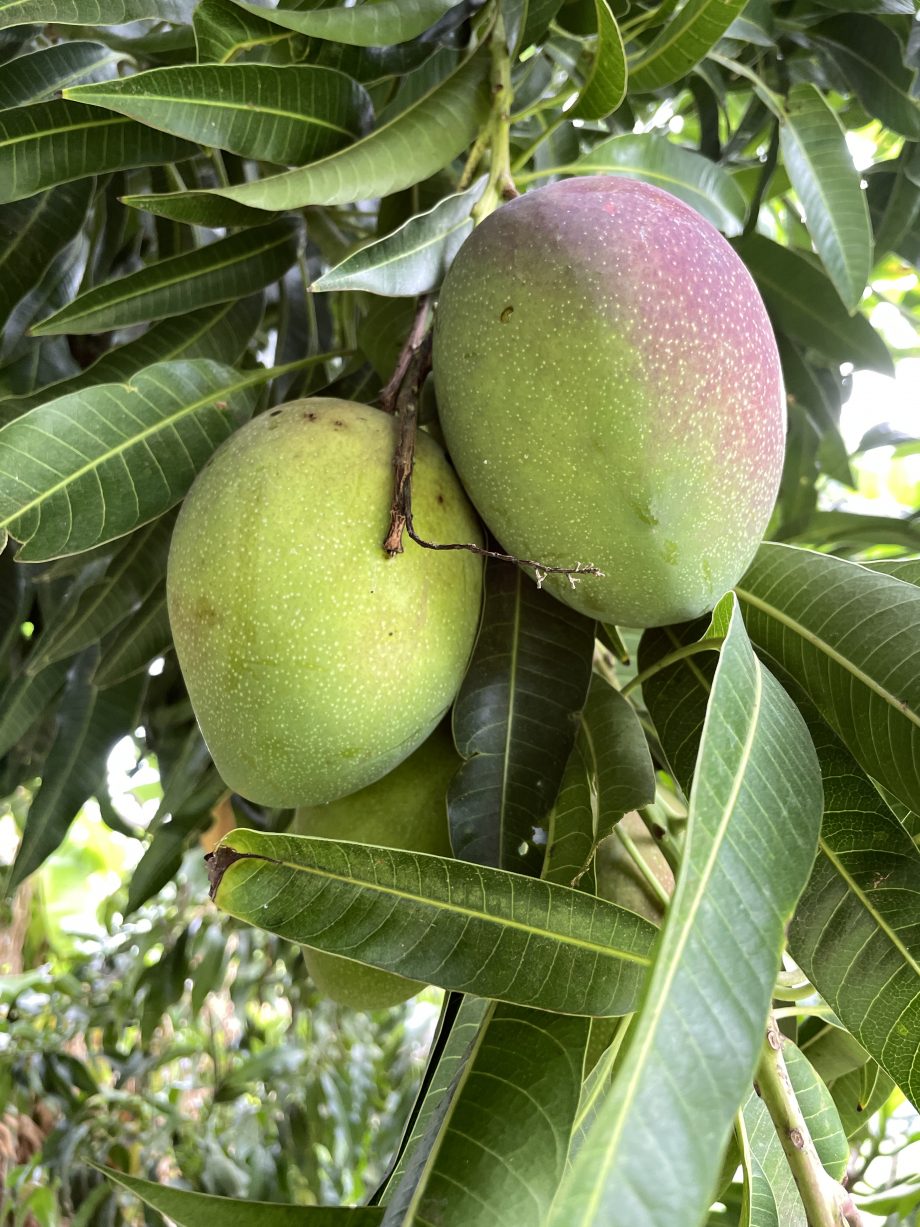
[610, 392]
[406, 809]
[314, 663]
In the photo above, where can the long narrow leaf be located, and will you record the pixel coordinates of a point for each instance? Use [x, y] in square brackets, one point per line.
[446, 922]
[370, 25]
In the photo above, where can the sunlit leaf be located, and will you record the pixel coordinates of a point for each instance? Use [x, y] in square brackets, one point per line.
[369, 25]
[42, 74]
[605, 87]
[683, 42]
[90, 12]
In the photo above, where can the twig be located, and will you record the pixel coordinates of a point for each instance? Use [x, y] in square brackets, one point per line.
[420, 326]
[827, 1203]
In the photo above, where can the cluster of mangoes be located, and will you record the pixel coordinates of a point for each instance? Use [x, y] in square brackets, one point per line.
[609, 389]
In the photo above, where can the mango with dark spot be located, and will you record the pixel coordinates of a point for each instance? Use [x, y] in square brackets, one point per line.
[630, 413]
[301, 693]
[406, 809]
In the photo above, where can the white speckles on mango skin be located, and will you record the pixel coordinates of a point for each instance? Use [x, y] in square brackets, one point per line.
[610, 391]
[314, 663]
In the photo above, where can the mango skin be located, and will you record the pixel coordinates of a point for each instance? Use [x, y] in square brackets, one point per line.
[610, 392]
[314, 663]
[406, 809]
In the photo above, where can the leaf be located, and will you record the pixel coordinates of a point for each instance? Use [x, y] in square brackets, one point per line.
[55, 142]
[771, 1198]
[754, 815]
[820, 1112]
[414, 144]
[277, 114]
[137, 568]
[897, 222]
[89, 723]
[188, 1209]
[683, 42]
[570, 836]
[624, 773]
[856, 932]
[89, 467]
[805, 305]
[821, 168]
[198, 209]
[220, 332]
[42, 74]
[223, 30]
[515, 720]
[224, 270]
[506, 1127]
[413, 259]
[869, 55]
[445, 922]
[370, 25]
[700, 183]
[32, 232]
[89, 12]
[848, 637]
[605, 87]
[26, 699]
[125, 655]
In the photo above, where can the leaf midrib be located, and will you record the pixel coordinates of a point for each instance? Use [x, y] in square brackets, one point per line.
[823, 646]
[503, 922]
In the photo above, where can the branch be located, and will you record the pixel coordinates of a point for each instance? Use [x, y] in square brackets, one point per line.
[827, 1203]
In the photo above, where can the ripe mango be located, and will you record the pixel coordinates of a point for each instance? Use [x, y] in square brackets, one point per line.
[314, 663]
[406, 809]
[610, 392]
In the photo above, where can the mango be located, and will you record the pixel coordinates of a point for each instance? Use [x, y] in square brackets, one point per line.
[314, 663]
[406, 809]
[610, 392]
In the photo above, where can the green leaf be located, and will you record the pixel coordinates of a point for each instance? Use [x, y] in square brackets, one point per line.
[220, 332]
[605, 87]
[198, 209]
[771, 1198]
[90, 721]
[869, 55]
[89, 12]
[42, 74]
[847, 635]
[819, 164]
[125, 655]
[368, 25]
[754, 815]
[570, 835]
[32, 232]
[188, 1209]
[223, 30]
[506, 1125]
[624, 774]
[445, 922]
[515, 720]
[819, 1110]
[414, 145]
[227, 269]
[277, 114]
[26, 699]
[54, 142]
[856, 932]
[805, 305]
[413, 259]
[897, 223]
[89, 467]
[700, 183]
[136, 569]
[683, 42]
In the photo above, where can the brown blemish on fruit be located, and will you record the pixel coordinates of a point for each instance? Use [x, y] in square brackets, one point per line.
[506, 314]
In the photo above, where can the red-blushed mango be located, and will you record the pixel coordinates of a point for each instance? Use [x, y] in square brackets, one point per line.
[314, 663]
[406, 809]
[610, 392]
